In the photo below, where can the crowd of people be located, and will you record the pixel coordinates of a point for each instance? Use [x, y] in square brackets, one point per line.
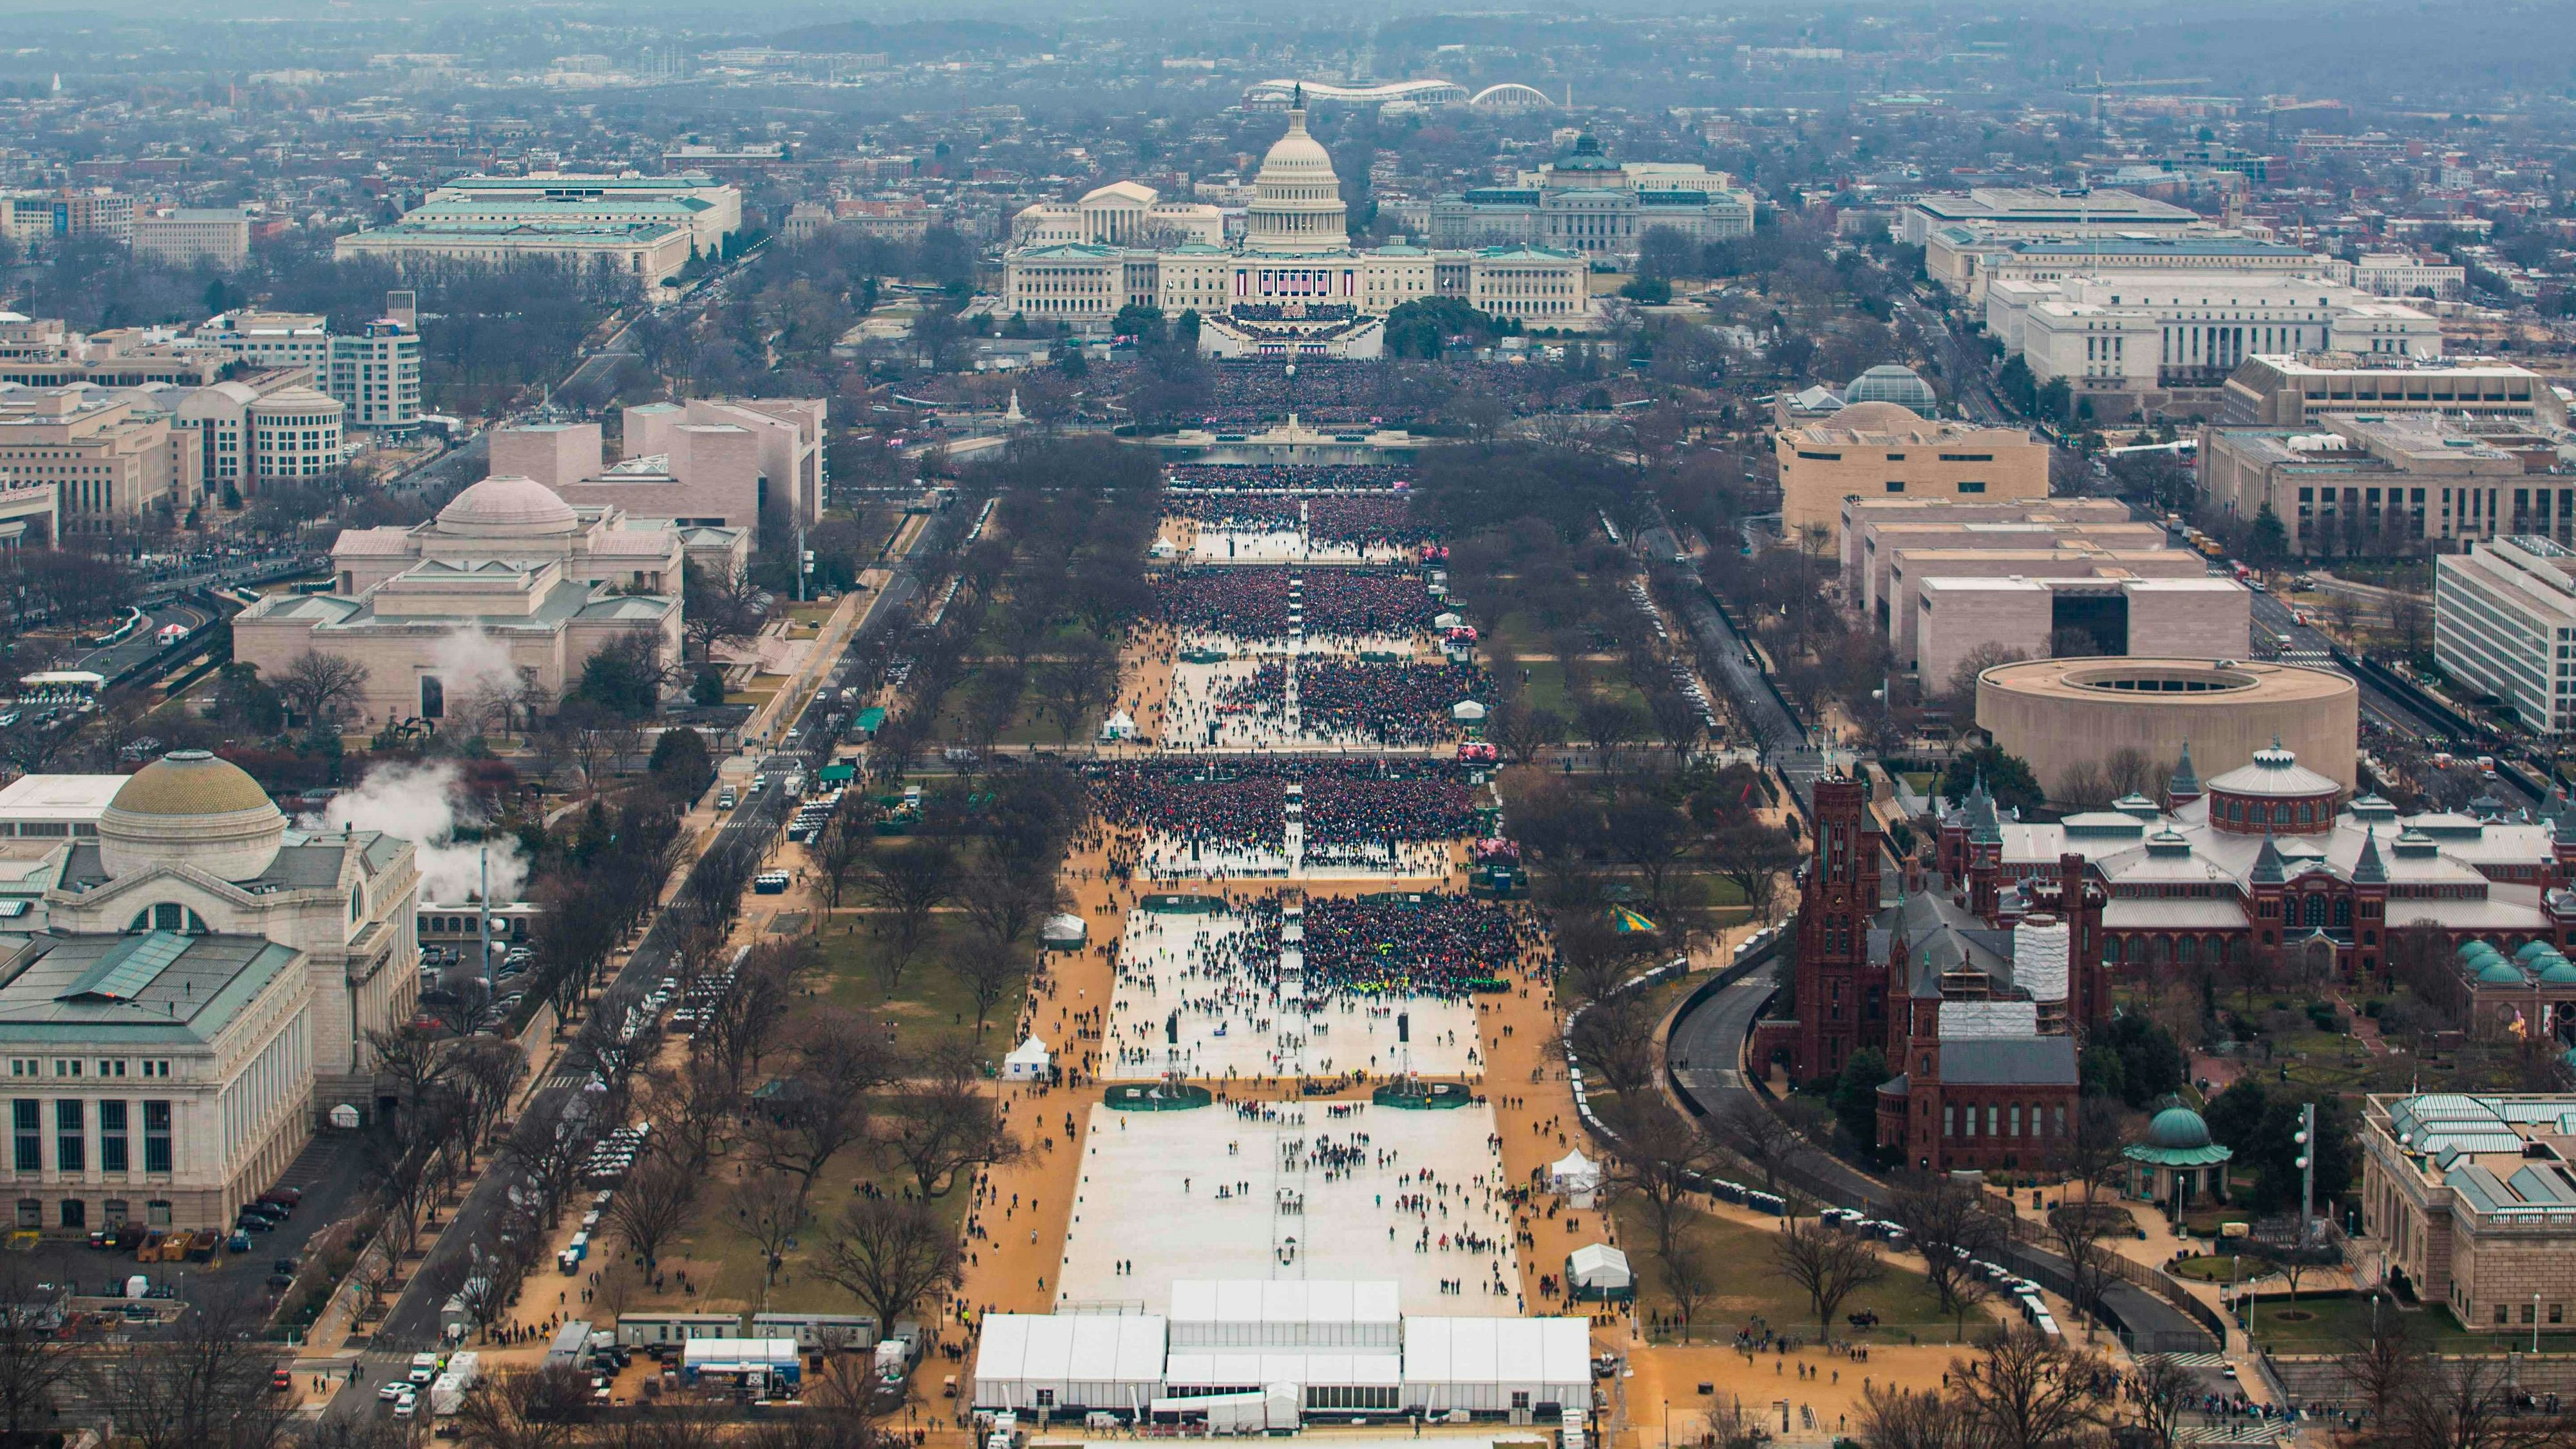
[1243, 802]
[1361, 522]
[1367, 601]
[1286, 477]
[1391, 704]
[1351, 520]
[1243, 603]
[1347, 393]
[1254, 603]
[1251, 512]
[1429, 944]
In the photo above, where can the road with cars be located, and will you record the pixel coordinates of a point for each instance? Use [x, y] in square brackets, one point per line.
[412, 1325]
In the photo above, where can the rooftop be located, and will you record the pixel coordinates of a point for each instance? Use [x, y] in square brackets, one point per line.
[155, 987]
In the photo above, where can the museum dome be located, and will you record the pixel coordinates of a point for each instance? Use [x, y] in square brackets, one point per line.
[2178, 1127]
[508, 508]
[1875, 417]
[1891, 383]
[190, 808]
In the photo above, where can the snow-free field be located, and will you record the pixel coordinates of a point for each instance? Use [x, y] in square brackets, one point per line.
[1291, 1190]
[1282, 545]
[1208, 710]
[1173, 857]
[1207, 996]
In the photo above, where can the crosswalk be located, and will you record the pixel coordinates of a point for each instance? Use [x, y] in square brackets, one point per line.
[561, 1082]
[2197, 1360]
[2221, 1434]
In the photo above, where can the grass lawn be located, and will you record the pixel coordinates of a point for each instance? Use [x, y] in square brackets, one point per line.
[1032, 724]
[928, 992]
[1748, 1286]
[2324, 1325]
[1546, 689]
[2220, 1268]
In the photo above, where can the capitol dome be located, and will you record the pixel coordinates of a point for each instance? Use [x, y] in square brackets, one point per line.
[188, 807]
[1296, 198]
[2178, 1127]
[504, 507]
[1875, 417]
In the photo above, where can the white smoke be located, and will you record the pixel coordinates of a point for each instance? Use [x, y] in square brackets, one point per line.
[424, 804]
[471, 662]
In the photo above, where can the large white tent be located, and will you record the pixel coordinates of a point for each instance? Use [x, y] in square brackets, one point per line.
[1063, 932]
[1597, 1270]
[1077, 1360]
[1321, 1381]
[1496, 1365]
[1256, 1313]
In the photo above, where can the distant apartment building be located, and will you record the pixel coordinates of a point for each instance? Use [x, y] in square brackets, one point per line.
[2131, 341]
[2387, 482]
[108, 461]
[2504, 624]
[745, 463]
[2286, 390]
[2401, 274]
[374, 374]
[194, 236]
[36, 218]
[1882, 450]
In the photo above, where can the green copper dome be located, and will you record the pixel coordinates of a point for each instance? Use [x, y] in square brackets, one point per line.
[2178, 1127]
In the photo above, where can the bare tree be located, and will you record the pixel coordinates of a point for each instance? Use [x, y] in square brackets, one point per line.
[988, 968]
[768, 1208]
[34, 1362]
[1898, 1418]
[2161, 1388]
[2094, 1153]
[525, 1408]
[204, 1385]
[1760, 1138]
[2383, 1360]
[1661, 1153]
[2023, 1392]
[825, 1105]
[657, 1202]
[888, 1253]
[2076, 1231]
[1614, 1039]
[320, 687]
[1950, 1228]
[1691, 1279]
[907, 883]
[1829, 1266]
[946, 1126]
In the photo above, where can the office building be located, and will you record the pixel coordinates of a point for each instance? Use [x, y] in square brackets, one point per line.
[374, 374]
[2504, 624]
[2470, 1199]
[741, 463]
[217, 237]
[34, 219]
[1966, 260]
[2030, 211]
[2402, 274]
[715, 214]
[107, 460]
[43, 352]
[30, 512]
[2130, 341]
[1958, 609]
[1880, 450]
[1874, 530]
[2287, 390]
[1122, 214]
[650, 252]
[1585, 202]
[2391, 482]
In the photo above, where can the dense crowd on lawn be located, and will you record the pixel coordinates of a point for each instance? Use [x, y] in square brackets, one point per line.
[1243, 802]
[1348, 395]
[1366, 601]
[1242, 603]
[1394, 704]
[1246, 512]
[1287, 477]
[1360, 522]
[1434, 945]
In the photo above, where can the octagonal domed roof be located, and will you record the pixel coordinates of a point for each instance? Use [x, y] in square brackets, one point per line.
[508, 507]
[2274, 772]
[2178, 1127]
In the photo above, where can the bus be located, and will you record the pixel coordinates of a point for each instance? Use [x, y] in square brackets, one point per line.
[76, 687]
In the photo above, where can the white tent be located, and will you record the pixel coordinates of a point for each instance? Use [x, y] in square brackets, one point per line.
[1254, 1313]
[1447, 620]
[1467, 711]
[1028, 1062]
[1493, 1365]
[1578, 1177]
[1063, 932]
[1077, 1360]
[1119, 726]
[1597, 1270]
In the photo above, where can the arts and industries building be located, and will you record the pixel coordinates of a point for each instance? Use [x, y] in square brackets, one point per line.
[507, 560]
[188, 986]
[1881, 450]
[1294, 287]
[645, 228]
[2473, 1201]
[736, 463]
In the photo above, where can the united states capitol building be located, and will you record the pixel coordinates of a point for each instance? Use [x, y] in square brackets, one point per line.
[1293, 287]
